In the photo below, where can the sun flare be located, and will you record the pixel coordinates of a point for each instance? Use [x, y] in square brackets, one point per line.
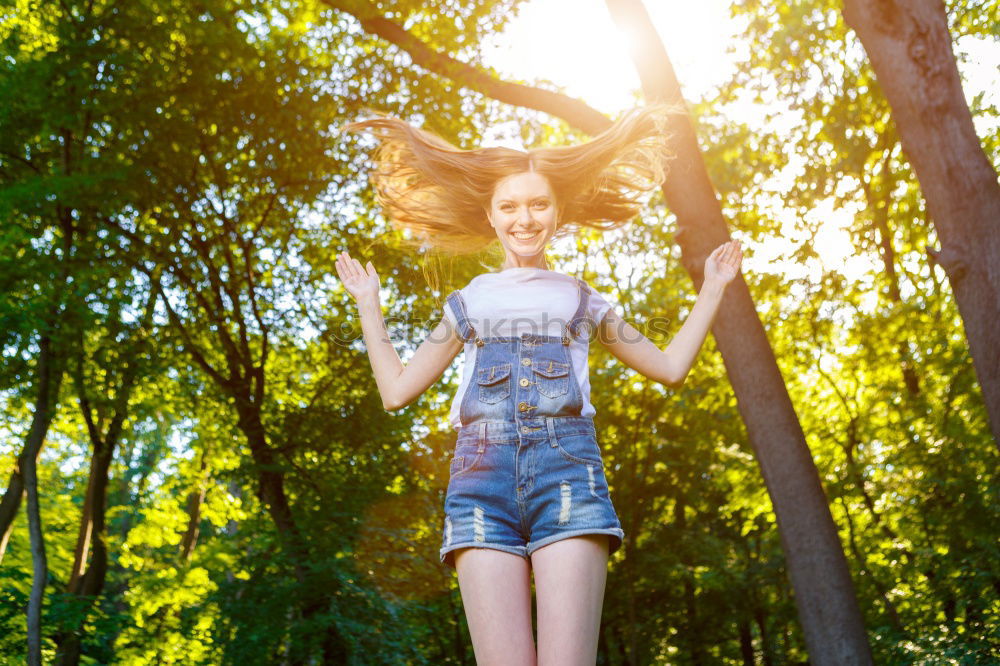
[586, 54]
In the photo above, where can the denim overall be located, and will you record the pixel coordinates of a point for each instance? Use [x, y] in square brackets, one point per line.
[527, 469]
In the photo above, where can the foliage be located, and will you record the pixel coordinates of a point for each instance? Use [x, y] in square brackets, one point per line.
[187, 156]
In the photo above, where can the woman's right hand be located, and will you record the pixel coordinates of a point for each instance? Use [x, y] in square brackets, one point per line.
[361, 282]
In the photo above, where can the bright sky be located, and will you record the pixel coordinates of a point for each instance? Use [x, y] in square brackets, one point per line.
[589, 56]
[574, 44]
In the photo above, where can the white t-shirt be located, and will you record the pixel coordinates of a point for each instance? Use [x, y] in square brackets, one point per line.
[525, 300]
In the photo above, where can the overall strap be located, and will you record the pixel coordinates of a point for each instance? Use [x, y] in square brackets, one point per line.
[465, 329]
[582, 314]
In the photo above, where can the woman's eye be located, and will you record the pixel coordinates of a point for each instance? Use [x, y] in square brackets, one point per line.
[541, 204]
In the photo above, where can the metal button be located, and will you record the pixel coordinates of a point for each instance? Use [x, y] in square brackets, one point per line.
[524, 381]
[522, 406]
[525, 361]
[524, 429]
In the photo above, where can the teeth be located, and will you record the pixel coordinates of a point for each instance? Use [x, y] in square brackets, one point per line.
[523, 236]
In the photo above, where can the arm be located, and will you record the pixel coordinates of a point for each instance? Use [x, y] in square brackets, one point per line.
[398, 385]
[670, 366]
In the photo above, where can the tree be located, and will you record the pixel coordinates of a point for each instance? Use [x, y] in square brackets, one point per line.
[884, 362]
[105, 414]
[909, 46]
[828, 608]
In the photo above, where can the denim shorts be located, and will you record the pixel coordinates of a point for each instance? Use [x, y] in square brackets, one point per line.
[518, 486]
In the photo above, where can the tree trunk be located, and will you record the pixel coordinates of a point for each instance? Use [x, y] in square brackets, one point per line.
[746, 642]
[271, 483]
[909, 47]
[40, 565]
[195, 499]
[824, 593]
[49, 379]
[87, 580]
[92, 520]
[49, 375]
[12, 499]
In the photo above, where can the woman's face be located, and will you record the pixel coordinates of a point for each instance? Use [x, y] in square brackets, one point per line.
[523, 212]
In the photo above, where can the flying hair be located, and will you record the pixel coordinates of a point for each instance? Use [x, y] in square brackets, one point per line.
[441, 193]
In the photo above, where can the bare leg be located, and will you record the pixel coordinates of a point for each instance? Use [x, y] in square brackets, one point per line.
[496, 593]
[569, 589]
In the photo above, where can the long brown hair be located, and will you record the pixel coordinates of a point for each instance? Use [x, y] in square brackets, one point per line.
[441, 193]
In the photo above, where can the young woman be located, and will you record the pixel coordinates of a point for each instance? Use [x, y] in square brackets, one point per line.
[527, 490]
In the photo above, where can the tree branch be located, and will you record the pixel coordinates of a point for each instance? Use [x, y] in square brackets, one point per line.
[576, 112]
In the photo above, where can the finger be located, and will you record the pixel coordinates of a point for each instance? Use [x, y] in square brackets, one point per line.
[734, 251]
[730, 252]
[356, 267]
[732, 260]
[352, 268]
[345, 266]
[737, 251]
[738, 257]
[723, 251]
[370, 267]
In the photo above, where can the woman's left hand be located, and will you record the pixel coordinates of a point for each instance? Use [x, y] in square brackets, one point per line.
[724, 263]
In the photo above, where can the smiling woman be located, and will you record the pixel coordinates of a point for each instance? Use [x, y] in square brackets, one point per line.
[527, 491]
[524, 215]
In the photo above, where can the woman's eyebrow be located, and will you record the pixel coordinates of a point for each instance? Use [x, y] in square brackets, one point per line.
[536, 198]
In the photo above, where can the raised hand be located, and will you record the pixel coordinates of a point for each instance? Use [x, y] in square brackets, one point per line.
[360, 281]
[724, 263]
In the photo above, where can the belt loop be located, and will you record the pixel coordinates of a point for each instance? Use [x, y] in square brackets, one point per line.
[482, 436]
[551, 425]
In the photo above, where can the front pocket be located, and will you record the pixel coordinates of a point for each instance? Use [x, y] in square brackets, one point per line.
[469, 460]
[552, 378]
[582, 449]
[494, 383]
